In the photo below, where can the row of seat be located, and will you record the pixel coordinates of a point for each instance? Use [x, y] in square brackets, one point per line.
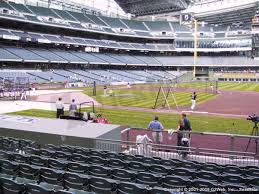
[55, 180]
[156, 175]
[158, 172]
[12, 144]
[138, 162]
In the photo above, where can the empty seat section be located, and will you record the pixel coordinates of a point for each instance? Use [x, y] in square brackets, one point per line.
[135, 25]
[158, 26]
[71, 58]
[26, 55]
[89, 57]
[8, 56]
[80, 17]
[53, 58]
[42, 11]
[65, 15]
[113, 22]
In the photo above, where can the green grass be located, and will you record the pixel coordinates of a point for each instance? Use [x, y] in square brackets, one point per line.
[141, 97]
[141, 120]
[232, 86]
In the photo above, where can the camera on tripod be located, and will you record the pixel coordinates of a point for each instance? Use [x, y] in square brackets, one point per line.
[253, 118]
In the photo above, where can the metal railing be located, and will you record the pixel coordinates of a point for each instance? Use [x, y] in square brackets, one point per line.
[202, 155]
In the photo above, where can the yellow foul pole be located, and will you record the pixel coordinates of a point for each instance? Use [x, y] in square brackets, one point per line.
[195, 55]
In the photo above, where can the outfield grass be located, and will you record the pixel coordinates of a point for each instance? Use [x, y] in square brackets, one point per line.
[232, 86]
[141, 120]
[140, 96]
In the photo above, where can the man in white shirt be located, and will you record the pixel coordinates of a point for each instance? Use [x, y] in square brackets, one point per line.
[60, 107]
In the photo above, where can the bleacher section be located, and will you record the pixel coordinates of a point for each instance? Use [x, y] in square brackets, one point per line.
[67, 169]
[103, 24]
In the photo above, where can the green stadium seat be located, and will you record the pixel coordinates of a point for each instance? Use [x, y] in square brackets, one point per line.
[77, 167]
[28, 171]
[159, 169]
[79, 158]
[117, 163]
[37, 189]
[131, 188]
[9, 186]
[38, 161]
[57, 164]
[148, 179]
[76, 181]
[102, 185]
[176, 182]
[97, 160]
[99, 171]
[46, 153]
[183, 172]
[8, 167]
[123, 175]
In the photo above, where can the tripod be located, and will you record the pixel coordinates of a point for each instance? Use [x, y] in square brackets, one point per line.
[254, 133]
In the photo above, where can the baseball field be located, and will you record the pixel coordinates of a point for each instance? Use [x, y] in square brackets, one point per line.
[224, 112]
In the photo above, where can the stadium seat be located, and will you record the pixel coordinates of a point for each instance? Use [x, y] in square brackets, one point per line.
[137, 166]
[64, 192]
[117, 163]
[123, 175]
[159, 190]
[170, 163]
[204, 175]
[75, 181]
[209, 167]
[175, 182]
[77, 167]
[127, 157]
[111, 155]
[62, 155]
[38, 161]
[37, 189]
[148, 179]
[31, 151]
[190, 165]
[253, 183]
[52, 147]
[131, 188]
[28, 171]
[99, 171]
[79, 158]
[46, 153]
[51, 179]
[102, 185]
[20, 158]
[8, 167]
[97, 160]
[82, 151]
[57, 164]
[254, 172]
[204, 184]
[159, 169]
[232, 181]
[97, 153]
[9, 186]
[4, 155]
[232, 170]
[66, 149]
[183, 172]
[149, 160]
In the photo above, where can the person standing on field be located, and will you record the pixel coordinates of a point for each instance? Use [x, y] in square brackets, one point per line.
[193, 99]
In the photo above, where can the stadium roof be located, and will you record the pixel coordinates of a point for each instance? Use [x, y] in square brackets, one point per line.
[148, 7]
